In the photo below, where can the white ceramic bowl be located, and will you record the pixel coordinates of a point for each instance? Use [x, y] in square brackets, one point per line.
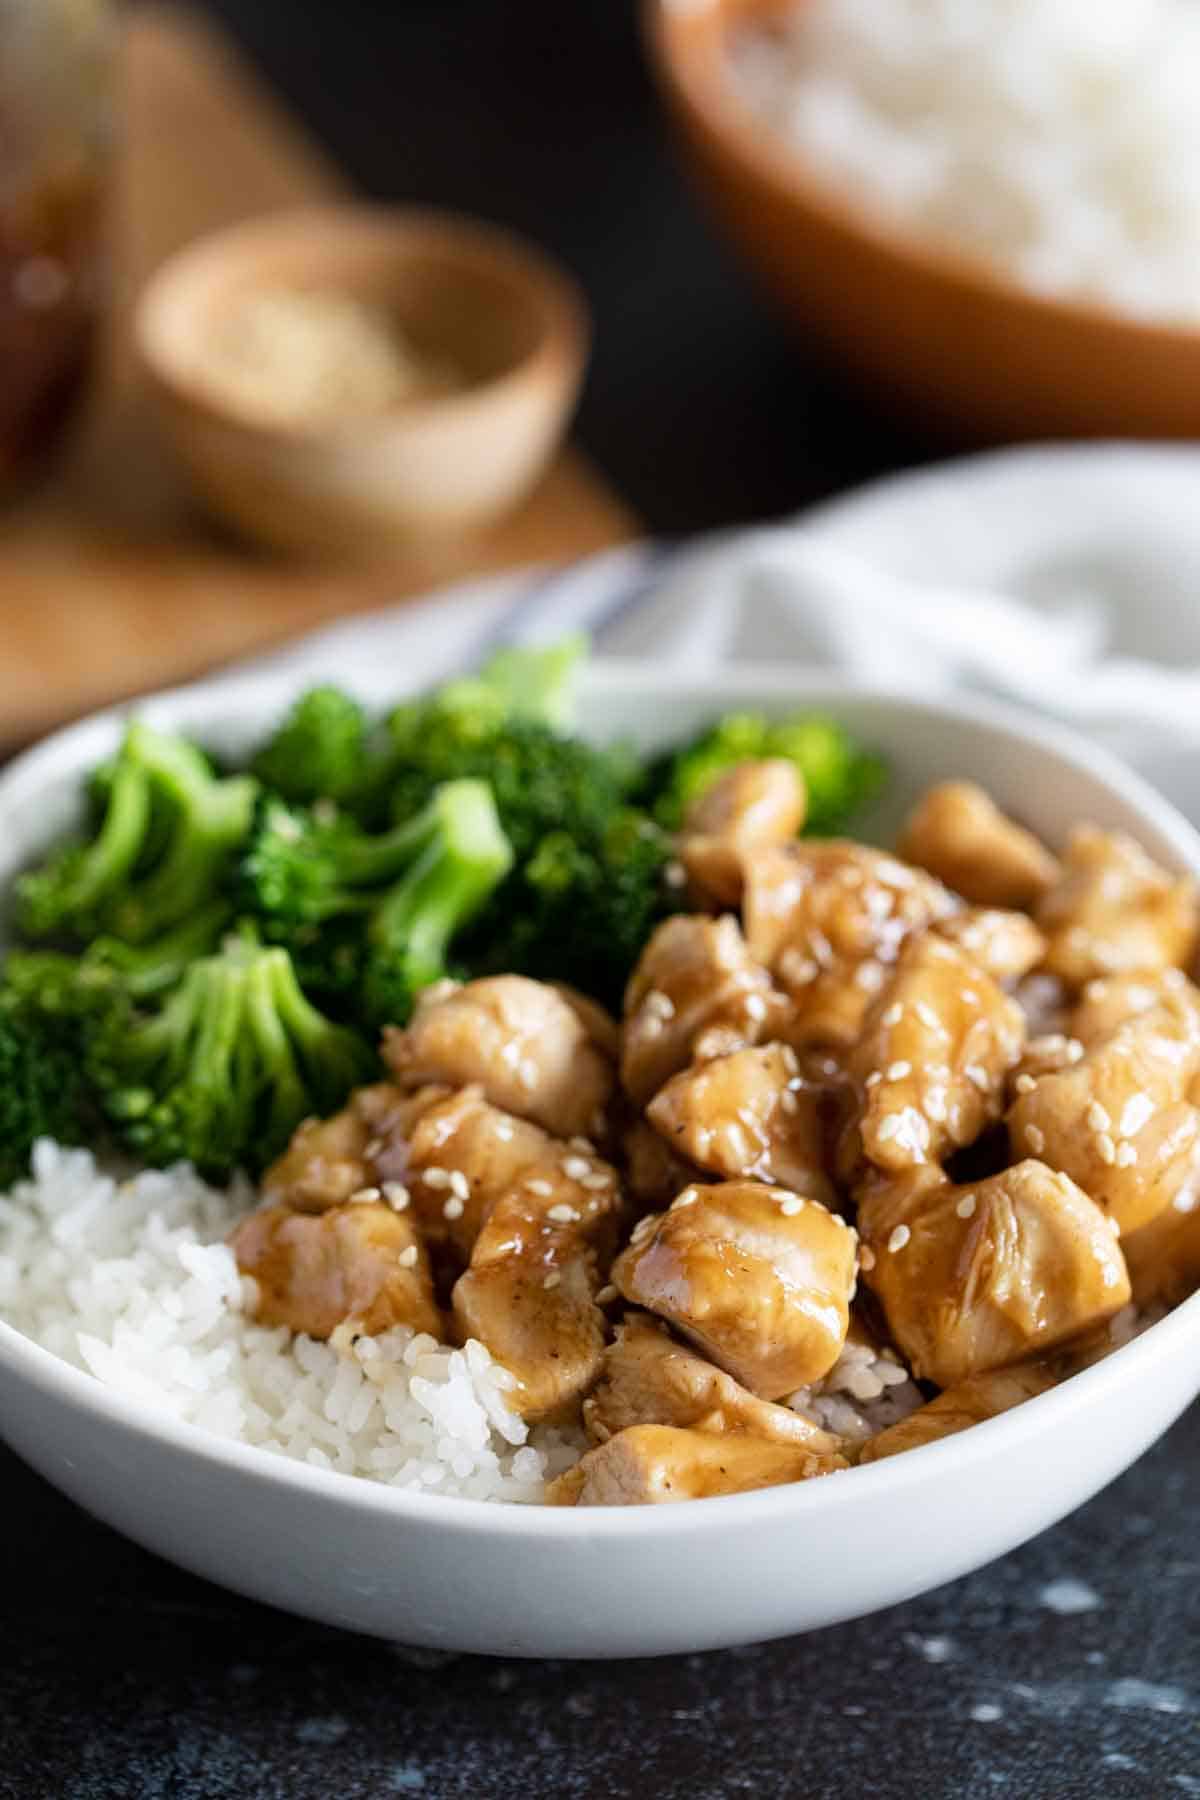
[464, 1575]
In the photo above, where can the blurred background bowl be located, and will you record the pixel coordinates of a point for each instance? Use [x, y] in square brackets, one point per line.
[474, 298]
[952, 343]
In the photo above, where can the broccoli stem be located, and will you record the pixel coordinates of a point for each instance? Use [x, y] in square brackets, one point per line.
[63, 893]
[466, 855]
[538, 681]
[225, 1068]
[212, 816]
[366, 861]
[111, 857]
[146, 969]
[331, 1057]
[288, 1098]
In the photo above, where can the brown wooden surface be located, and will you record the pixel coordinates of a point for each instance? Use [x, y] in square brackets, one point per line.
[110, 581]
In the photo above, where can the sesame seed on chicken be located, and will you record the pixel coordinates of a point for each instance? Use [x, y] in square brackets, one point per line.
[1114, 911]
[928, 1071]
[971, 1278]
[521, 1041]
[696, 991]
[750, 1114]
[828, 918]
[760, 1279]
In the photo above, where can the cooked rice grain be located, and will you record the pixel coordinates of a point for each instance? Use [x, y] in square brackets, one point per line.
[132, 1281]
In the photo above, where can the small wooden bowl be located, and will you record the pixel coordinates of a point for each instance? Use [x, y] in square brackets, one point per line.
[955, 344]
[466, 294]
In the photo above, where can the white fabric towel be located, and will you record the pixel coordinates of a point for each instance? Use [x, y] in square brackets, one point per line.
[1066, 579]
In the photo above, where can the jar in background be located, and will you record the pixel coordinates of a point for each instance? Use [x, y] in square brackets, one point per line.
[56, 94]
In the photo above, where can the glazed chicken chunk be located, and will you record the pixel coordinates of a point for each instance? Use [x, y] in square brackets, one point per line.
[981, 1397]
[1117, 1120]
[647, 1465]
[1114, 911]
[654, 1170]
[359, 1262]
[1111, 1001]
[1005, 945]
[868, 1031]
[463, 1154]
[649, 1378]
[1164, 1256]
[1047, 1055]
[972, 1278]
[521, 1041]
[960, 835]
[696, 992]
[751, 808]
[930, 1066]
[759, 1278]
[323, 1165]
[529, 1294]
[330, 1160]
[751, 1114]
[828, 919]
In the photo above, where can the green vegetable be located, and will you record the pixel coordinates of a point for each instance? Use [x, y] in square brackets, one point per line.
[463, 858]
[319, 752]
[43, 1092]
[373, 912]
[65, 893]
[505, 726]
[63, 985]
[160, 851]
[839, 774]
[578, 912]
[221, 1071]
[302, 866]
[207, 952]
[536, 684]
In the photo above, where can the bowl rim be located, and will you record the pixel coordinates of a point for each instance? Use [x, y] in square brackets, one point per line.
[687, 40]
[550, 294]
[26, 1361]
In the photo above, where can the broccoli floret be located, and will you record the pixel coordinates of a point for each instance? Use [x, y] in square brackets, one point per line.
[225, 1067]
[463, 858]
[538, 683]
[64, 985]
[505, 727]
[160, 852]
[63, 896]
[579, 913]
[43, 1092]
[302, 866]
[541, 782]
[320, 751]
[840, 774]
[210, 817]
[342, 899]
[153, 967]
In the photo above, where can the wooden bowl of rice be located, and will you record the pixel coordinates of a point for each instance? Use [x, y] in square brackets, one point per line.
[944, 337]
[343, 379]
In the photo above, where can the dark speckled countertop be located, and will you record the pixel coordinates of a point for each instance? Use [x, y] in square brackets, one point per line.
[1068, 1671]
[1065, 1672]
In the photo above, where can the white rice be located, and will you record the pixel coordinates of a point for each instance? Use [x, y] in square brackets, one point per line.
[1058, 140]
[865, 1391]
[130, 1280]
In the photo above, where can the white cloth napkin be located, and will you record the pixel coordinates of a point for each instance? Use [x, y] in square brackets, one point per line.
[1066, 579]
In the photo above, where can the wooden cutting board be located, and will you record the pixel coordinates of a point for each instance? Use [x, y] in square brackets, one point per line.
[111, 582]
